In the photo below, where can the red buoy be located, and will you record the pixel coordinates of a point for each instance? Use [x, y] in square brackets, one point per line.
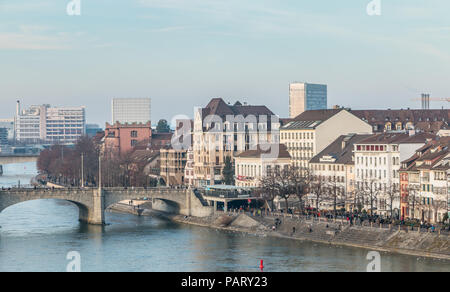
[261, 266]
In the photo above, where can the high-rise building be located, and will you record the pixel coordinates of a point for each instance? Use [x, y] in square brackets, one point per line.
[43, 123]
[305, 96]
[131, 110]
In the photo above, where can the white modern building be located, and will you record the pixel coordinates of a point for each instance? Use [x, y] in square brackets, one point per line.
[42, 124]
[65, 124]
[377, 164]
[131, 110]
[306, 96]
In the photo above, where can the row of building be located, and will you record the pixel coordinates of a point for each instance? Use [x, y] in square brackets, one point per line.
[360, 153]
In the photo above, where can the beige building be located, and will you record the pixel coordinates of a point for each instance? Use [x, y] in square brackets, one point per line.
[312, 131]
[222, 130]
[189, 169]
[173, 163]
[251, 166]
[335, 168]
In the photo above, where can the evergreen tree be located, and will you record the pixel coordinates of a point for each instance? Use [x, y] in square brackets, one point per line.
[228, 172]
[163, 126]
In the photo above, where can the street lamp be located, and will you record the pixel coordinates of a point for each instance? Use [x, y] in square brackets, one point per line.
[82, 170]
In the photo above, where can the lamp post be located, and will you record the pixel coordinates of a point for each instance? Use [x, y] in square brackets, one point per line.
[100, 172]
[82, 170]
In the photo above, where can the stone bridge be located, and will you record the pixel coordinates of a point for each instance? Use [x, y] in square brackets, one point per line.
[92, 202]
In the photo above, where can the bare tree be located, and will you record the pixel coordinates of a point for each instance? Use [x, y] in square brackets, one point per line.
[392, 194]
[300, 181]
[368, 191]
[317, 189]
[335, 193]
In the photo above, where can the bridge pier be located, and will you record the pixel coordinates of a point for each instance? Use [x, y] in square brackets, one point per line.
[96, 214]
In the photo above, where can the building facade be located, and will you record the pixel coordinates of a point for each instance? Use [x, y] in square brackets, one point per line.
[251, 167]
[173, 163]
[121, 139]
[131, 110]
[222, 130]
[377, 165]
[334, 168]
[64, 124]
[306, 96]
[424, 182]
[45, 124]
[312, 131]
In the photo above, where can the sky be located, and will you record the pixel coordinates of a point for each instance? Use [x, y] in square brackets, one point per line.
[182, 53]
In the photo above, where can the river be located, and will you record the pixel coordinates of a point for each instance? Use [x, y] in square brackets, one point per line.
[38, 235]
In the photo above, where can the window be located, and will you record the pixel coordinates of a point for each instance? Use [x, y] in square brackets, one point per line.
[134, 134]
[133, 143]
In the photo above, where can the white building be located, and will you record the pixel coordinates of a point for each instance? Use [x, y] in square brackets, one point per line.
[312, 131]
[131, 110]
[377, 164]
[305, 96]
[49, 124]
[251, 166]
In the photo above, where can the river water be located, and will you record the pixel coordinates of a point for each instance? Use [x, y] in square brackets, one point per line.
[38, 235]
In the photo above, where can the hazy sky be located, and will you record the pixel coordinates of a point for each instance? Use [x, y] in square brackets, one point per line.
[181, 53]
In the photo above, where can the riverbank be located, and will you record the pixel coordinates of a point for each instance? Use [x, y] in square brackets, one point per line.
[413, 243]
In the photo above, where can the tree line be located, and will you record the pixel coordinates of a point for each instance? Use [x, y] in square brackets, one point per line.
[63, 165]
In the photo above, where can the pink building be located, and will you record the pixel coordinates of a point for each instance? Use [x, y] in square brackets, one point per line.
[122, 138]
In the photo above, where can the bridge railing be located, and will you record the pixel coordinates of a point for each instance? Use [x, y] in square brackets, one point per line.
[78, 189]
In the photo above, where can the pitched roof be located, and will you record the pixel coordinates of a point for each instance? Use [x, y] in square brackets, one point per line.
[425, 120]
[310, 119]
[413, 115]
[340, 151]
[397, 138]
[430, 156]
[219, 108]
[283, 153]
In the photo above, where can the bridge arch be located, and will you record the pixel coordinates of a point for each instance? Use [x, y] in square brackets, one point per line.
[173, 200]
[83, 209]
[80, 198]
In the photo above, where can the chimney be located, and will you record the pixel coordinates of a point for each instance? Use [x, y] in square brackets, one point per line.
[18, 108]
[425, 101]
